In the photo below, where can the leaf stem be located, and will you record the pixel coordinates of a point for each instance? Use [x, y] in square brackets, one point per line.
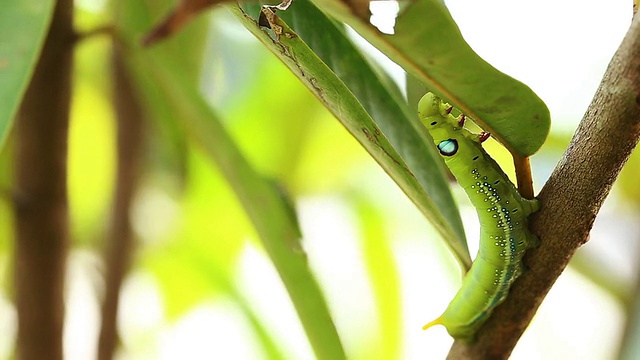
[523, 174]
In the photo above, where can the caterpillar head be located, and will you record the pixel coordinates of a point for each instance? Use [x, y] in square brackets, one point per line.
[430, 105]
[448, 132]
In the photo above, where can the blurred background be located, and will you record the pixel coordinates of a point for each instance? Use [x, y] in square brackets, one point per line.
[201, 286]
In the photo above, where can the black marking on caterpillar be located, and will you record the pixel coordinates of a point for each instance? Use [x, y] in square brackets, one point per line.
[504, 236]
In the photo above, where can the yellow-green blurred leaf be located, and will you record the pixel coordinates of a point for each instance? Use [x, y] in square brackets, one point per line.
[385, 280]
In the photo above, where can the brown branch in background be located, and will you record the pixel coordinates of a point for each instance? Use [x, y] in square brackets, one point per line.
[188, 9]
[120, 244]
[178, 18]
[42, 214]
[571, 199]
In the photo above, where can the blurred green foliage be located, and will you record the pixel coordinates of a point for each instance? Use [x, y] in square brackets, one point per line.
[193, 216]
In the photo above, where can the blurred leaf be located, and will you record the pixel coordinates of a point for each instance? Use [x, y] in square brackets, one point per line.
[264, 204]
[428, 44]
[338, 98]
[184, 54]
[91, 158]
[23, 25]
[181, 279]
[198, 262]
[199, 253]
[268, 127]
[385, 280]
[270, 347]
[595, 269]
[269, 212]
[629, 347]
[189, 275]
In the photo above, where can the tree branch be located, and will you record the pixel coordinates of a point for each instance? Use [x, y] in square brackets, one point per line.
[571, 199]
[41, 212]
[121, 244]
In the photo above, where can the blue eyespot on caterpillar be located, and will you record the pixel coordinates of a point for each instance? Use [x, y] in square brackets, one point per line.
[502, 211]
[448, 147]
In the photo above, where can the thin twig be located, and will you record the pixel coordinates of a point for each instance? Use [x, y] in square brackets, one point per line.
[121, 245]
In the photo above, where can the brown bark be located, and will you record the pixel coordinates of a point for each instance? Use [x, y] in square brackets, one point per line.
[121, 240]
[41, 195]
[571, 199]
[178, 18]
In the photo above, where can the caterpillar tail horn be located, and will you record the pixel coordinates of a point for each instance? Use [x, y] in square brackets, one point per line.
[437, 321]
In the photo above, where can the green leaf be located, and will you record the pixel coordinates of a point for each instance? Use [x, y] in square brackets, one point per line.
[394, 117]
[382, 99]
[428, 44]
[23, 25]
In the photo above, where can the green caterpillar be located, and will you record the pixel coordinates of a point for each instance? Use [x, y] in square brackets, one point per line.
[504, 235]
